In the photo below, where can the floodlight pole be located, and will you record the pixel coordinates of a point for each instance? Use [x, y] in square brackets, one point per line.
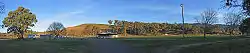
[182, 13]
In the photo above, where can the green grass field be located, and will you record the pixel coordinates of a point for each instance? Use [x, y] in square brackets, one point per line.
[163, 44]
[145, 44]
[175, 38]
[44, 46]
[234, 46]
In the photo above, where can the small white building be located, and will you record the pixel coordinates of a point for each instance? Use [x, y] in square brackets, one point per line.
[107, 35]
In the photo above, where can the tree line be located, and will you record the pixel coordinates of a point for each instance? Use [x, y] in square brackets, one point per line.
[205, 25]
[154, 29]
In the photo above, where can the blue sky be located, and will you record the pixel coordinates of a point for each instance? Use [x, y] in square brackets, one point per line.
[75, 12]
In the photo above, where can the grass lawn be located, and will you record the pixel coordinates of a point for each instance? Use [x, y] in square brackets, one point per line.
[162, 44]
[159, 44]
[44, 46]
[187, 36]
[234, 46]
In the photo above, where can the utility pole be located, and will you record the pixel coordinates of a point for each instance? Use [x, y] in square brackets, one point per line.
[182, 13]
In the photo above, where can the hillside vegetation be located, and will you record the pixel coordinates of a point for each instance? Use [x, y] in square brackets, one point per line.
[86, 29]
[144, 29]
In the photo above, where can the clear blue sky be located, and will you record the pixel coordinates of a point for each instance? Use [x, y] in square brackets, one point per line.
[75, 12]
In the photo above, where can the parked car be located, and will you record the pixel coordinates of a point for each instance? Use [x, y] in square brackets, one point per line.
[32, 36]
[58, 37]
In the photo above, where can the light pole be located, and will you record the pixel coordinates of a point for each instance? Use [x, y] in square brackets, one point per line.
[182, 13]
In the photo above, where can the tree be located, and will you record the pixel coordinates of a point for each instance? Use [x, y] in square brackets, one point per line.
[246, 6]
[31, 32]
[110, 25]
[95, 30]
[231, 3]
[245, 26]
[56, 28]
[125, 23]
[207, 18]
[88, 30]
[19, 21]
[216, 29]
[154, 28]
[116, 25]
[110, 22]
[233, 20]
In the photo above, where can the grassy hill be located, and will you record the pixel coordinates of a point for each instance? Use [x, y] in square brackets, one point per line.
[86, 29]
[83, 26]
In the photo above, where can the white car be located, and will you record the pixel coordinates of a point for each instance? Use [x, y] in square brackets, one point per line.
[114, 36]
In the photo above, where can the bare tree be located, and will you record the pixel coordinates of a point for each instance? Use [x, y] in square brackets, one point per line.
[56, 28]
[207, 18]
[233, 20]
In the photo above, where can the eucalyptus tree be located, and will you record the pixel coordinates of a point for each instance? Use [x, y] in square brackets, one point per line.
[19, 21]
[110, 25]
[116, 25]
[245, 26]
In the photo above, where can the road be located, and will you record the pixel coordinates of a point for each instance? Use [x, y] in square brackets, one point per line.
[110, 46]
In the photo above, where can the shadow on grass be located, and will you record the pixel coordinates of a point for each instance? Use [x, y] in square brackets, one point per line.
[44, 46]
[233, 46]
